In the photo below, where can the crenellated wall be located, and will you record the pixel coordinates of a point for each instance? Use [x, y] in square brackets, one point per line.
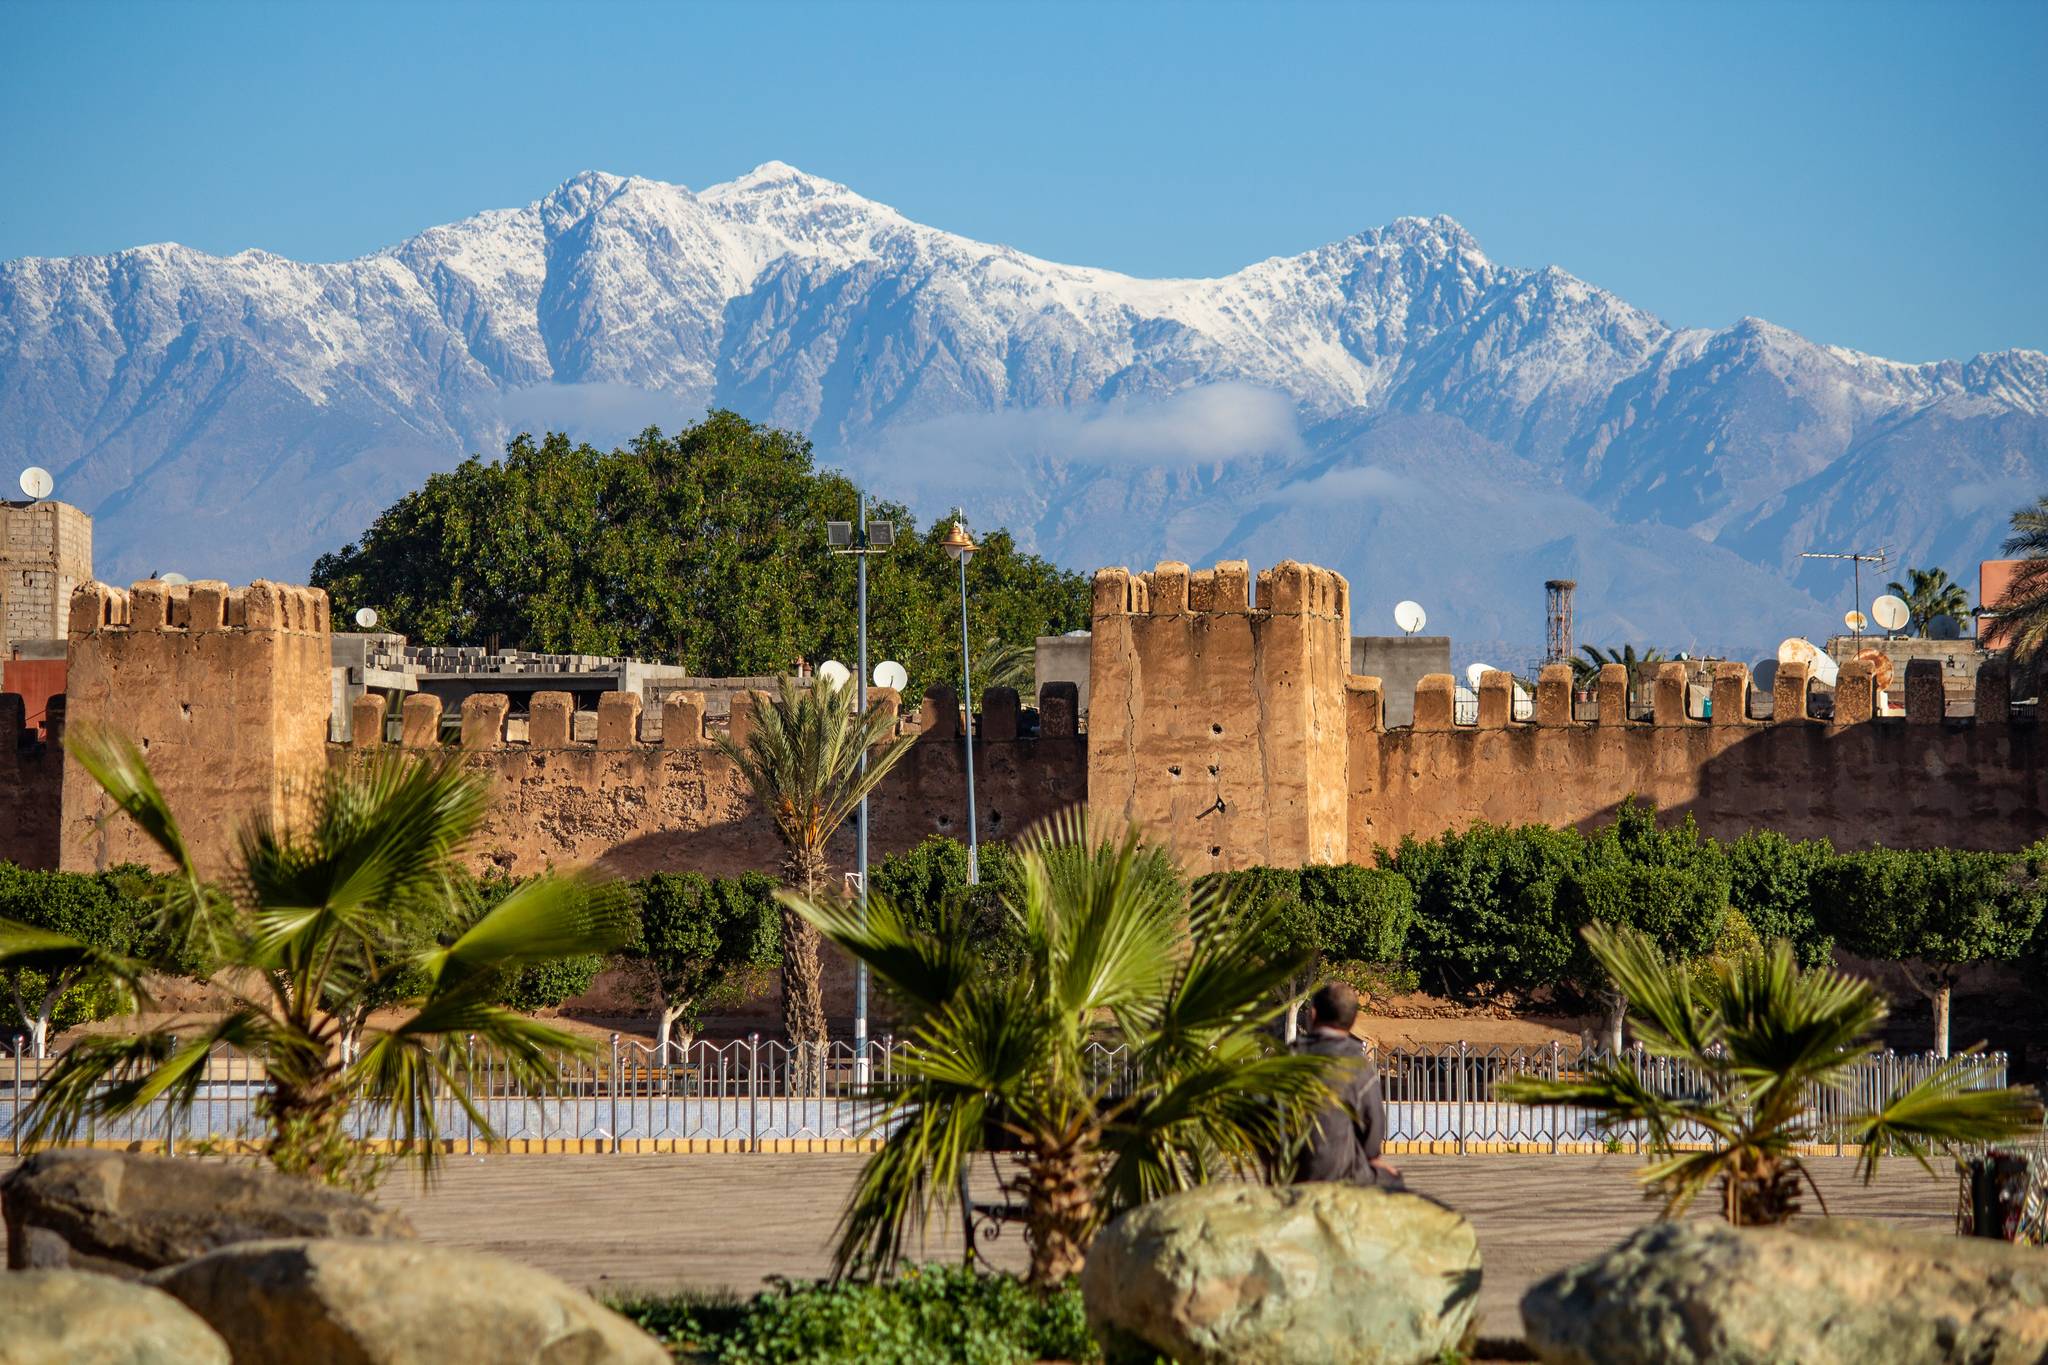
[1217, 719]
[632, 806]
[1920, 781]
[31, 785]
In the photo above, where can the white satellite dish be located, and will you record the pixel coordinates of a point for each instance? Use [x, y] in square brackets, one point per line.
[366, 617]
[1890, 613]
[1855, 620]
[834, 673]
[1410, 616]
[1820, 668]
[173, 579]
[36, 482]
[892, 675]
[1473, 672]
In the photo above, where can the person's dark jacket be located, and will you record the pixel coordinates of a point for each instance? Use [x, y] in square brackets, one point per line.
[1350, 1129]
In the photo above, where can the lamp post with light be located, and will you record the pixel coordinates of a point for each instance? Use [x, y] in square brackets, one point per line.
[961, 547]
[860, 539]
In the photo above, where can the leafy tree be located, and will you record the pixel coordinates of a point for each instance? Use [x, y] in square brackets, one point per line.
[802, 760]
[1678, 909]
[1486, 904]
[66, 987]
[705, 547]
[707, 942]
[2023, 609]
[1936, 910]
[1338, 920]
[1586, 670]
[1929, 596]
[1007, 665]
[315, 921]
[1771, 881]
[928, 886]
[1764, 1035]
[1110, 955]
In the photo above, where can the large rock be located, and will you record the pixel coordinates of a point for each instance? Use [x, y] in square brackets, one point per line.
[70, 1317]
[1817, 1291]
[365, 1302]
[124, 1214]
[1259, 1275]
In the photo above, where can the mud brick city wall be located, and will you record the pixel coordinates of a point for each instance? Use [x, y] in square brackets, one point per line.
[31, 788]
[227, 692]
[631, 806]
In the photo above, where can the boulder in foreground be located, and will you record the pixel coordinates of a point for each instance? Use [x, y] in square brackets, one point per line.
[358, 1301]
[1271, 1275]
[1816, 1291]
[121, 1213]
[72, 1317]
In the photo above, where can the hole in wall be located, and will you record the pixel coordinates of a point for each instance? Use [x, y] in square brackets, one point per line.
[1175, 770]
[1215, 729]
[1215, 850]
[1213, 770]
[185, 709]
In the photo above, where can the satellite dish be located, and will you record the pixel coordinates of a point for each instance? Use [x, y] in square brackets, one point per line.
[36, 482]
[1764, 674]
[1945, 628]
[1798, 650]
[1473, 672]
[173, 579]
[891, 675]
[366, 617]
[1855, 620]
[1890, 613]
[1410, 616]
[834, 673]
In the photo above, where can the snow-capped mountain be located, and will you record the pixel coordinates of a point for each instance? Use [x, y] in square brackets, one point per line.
[1394, 404]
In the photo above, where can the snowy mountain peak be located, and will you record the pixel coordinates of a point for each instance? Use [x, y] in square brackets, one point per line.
[1393, 403]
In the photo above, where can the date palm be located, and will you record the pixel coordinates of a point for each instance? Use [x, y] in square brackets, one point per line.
[1762, 1037]
[2023, 609]
[803, 761]
[1929, 596]
[1586, 670]
[1113, 954]
[316, 926]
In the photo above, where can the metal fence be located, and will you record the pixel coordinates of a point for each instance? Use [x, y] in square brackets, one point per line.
[749, 1093]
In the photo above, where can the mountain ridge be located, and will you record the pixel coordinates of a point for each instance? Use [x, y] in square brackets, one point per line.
[237, 414]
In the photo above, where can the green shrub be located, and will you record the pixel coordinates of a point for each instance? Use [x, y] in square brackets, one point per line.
[927, 1315]
[1486, 904]
[1771, 881]
[1362, 914]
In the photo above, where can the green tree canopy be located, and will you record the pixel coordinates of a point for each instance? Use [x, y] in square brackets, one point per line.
[1930, 595]
[706, 941]
[706, 547]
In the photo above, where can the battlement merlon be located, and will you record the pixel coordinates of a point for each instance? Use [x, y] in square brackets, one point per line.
[1171, 588]
[206, 606]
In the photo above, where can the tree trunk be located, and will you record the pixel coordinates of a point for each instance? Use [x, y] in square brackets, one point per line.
[1059, 1205]
[1763, 1194]
[803, 990]
[1613, 1010]
[1943, 991]
[665, 1028]
[39, 1037]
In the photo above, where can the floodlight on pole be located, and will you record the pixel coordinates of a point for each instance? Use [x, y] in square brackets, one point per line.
[871, 537]
[961, 547]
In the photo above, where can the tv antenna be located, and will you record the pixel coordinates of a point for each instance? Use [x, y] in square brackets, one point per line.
[1877, 559]
[36, 482]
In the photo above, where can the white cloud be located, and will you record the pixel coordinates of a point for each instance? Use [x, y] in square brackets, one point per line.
[602, 413]
[1209, 425]
[1371, 483]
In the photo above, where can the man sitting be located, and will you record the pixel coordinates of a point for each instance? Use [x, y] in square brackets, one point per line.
[1344, 1144]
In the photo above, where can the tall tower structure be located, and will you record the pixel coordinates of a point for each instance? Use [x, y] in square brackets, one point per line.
[226, 691]
[1217, 719]
[45, 552]
[1557, 615]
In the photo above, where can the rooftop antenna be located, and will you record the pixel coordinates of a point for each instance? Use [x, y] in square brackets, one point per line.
[1877, 559]
[1410, 617]
[1557, 612]
[36, 482]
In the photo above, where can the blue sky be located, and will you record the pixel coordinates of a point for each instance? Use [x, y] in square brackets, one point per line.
[1871, 174]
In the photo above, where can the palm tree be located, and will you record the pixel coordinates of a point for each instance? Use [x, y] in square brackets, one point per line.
[1114, 954]
[1929, 596]
[1587, 670]
[802, 760]
[2023, 609]
[1004, 665]
[318, 925]
[1762, 1038]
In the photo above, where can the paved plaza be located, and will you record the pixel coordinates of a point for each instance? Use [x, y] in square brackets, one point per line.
[618, 1222]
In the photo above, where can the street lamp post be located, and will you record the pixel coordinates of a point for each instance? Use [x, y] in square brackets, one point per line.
[860, 539]
[961, 547]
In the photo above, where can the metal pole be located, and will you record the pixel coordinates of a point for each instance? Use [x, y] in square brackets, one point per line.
[614, 1087]
[967, 707]
[14, 1112]
[860, 967]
